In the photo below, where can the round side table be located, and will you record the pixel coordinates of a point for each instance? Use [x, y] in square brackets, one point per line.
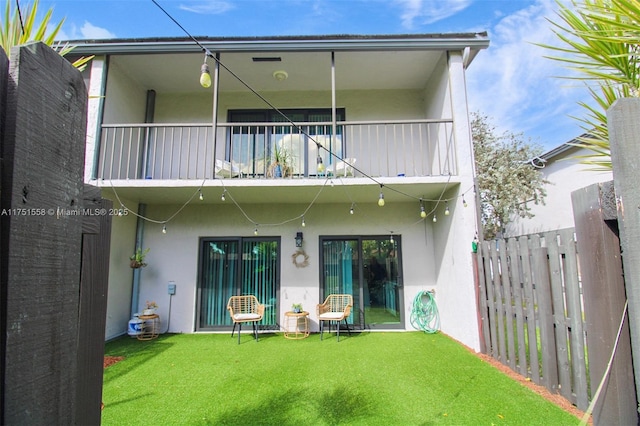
[296, 325]
[150, 327]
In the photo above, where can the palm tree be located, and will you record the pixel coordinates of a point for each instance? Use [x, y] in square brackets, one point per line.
[22, 28]
[601, 41]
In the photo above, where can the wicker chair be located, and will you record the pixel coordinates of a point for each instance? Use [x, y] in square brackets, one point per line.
[245, 309]
[335, 308]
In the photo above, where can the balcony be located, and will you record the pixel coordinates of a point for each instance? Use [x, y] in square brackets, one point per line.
[416, 148]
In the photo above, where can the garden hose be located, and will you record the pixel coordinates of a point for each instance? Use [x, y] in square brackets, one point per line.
[424, 315]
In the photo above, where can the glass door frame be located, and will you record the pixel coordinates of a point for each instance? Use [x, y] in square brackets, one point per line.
[238, 282]
[362, 322]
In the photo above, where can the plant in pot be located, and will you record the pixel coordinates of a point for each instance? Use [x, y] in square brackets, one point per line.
[150, 309]
[280, 167]
[297, 307]
[137, 259]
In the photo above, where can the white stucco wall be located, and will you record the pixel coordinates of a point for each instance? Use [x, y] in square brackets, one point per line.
[174, 255]
[565, 175]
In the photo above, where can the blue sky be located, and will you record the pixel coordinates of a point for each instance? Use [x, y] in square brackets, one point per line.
[510, 82]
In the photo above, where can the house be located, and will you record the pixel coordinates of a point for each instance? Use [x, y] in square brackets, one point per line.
[562, 168]
[368, 196]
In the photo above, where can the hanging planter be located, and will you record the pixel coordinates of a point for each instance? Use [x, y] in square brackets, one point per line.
[137, 259]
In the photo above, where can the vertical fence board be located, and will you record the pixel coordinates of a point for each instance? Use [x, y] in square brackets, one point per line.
[486, 251]
[516, 276]
[534, 369]
[507, 303]
[43, 154]
[482, 296]
[4, 74]
[94, 282]
[545, 317]
[603, 288]
[574, 313]
[559, 314]
[499, 302]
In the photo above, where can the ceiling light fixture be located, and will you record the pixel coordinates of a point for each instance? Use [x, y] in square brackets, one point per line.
[280, 75]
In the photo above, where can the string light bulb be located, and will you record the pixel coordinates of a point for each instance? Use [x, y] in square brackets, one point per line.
[464, 202]
[201, 196]
[205, 75]
[320, 167]
[381, 199]
[164, 229]
[351, 209]
[303, 222]
[255, 231]
[222, 197]
[435, 219]
[446, 209]
[391, 238]
[423, 213]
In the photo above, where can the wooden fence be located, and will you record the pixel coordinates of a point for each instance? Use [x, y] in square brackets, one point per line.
[54, 246]
[531, 308]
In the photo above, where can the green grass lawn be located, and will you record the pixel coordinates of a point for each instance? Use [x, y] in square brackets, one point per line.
[408, 378]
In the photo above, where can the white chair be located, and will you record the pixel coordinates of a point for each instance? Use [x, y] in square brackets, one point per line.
[342, 168]
[225, 169]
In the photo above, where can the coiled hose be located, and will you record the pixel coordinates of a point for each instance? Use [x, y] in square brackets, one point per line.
[424, 314]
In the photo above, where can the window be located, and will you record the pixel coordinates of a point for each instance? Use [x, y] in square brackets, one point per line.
[254, 145]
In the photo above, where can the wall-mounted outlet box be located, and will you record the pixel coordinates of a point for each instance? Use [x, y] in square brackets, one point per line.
[172, 287]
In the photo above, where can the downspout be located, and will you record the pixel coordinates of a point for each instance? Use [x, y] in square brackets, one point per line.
[334, 126]
[214, 120]
[135, 287]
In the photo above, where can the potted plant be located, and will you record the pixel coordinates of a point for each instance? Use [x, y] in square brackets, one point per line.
[150, 309]
[297, 307]
[137, 259]
[280, 166]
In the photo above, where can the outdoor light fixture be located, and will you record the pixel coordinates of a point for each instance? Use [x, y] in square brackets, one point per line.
[222, 197]
[391, 238]
[381, 199]
[299, 239]
[205, 75]
[255, 231]
[464, 202]
[164, 229]
[423, 214]
[201, 196]
[446, 209]
[435, 219]
[303, 222]
[351, 209]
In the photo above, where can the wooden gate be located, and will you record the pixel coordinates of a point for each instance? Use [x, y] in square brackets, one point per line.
[531, 309]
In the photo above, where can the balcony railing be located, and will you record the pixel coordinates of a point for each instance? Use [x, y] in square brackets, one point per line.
[249, 150]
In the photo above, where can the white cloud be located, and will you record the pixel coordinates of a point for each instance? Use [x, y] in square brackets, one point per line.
[211, 7]
[517, 87]
[429, 11]
[88, 31]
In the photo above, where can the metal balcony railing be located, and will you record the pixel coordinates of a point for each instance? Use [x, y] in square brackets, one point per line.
[250, 150]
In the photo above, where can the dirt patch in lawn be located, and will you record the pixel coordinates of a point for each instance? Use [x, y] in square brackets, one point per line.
[559, 400]
[110, 360]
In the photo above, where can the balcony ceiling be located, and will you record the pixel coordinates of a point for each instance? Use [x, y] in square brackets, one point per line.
[180, 72]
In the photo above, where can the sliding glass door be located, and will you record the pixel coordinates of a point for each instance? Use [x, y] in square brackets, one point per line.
[369, 269]
[237, 266]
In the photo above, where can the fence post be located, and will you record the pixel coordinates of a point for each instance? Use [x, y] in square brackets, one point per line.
[604, 296]
[42, 185]
[624, 135]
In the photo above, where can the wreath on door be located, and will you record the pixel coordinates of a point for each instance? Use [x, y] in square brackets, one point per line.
[300, 259]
